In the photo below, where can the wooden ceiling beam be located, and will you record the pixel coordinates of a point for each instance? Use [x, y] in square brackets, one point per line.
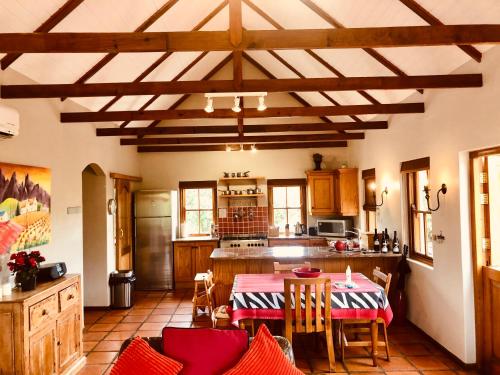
[432, 20]
[264, 146]
[244, 139]
[233, 129]
[251, 85]
[364, 109]
[235, 22]
[45, 27]
[178, 41]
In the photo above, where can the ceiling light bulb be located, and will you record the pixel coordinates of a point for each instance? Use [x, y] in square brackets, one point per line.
[210, 105]
[262, 105]
[228, 148]
[254, 148]
[236, 107]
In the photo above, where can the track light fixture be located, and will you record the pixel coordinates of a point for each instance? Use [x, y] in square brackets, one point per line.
[209, 108]
[228, 148]
[242, 148]
[262, 105]
[236, 107]
[253, 148]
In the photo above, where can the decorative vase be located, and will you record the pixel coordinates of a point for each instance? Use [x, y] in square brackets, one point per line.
[317, 158]
[28, 284]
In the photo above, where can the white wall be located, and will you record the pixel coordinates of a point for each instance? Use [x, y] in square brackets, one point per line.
[441, 298]
[67, 149]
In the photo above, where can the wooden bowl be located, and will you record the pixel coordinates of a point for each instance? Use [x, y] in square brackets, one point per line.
[306, 272]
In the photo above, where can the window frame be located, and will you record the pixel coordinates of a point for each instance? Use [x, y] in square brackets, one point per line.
[290, 182]
[409, 171]
[185, 185]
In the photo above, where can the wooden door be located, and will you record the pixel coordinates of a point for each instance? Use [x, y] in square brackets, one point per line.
[491, 345]
[346, 192]
[183, 264]
[123, 225]
[68, 336]
[202, 256]
[43, 356]
[321, 193]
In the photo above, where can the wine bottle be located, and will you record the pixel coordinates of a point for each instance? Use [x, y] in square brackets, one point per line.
[376, 242]
[395, 243]
[384, 242]
[388, 239]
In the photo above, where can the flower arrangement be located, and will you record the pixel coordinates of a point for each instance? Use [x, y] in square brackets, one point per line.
[26, 268]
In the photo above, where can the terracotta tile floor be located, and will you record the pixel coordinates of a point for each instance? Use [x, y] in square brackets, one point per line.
[411, 352]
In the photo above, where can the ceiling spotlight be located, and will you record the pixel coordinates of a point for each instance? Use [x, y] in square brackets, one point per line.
[241, 148]
[228, 148]
[253, 148]
[236, 107]
[262, 105]
[210, 105]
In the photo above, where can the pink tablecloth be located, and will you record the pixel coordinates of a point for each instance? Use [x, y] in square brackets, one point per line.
[261, 296]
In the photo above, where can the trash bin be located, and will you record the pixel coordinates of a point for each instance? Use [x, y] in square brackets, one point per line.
[122, 289]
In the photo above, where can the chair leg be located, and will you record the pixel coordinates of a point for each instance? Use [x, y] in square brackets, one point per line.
[386, 343]
[329, 347]
[342, 341]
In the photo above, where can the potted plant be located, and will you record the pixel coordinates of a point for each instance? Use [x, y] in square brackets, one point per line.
[26, 268]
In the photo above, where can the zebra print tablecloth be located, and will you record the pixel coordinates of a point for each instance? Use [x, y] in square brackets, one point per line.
[261, 296]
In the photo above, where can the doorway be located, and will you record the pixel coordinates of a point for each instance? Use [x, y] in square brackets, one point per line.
[94, 217]
[485, 210]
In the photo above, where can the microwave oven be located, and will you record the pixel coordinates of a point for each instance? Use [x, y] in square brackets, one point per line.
[334, 227]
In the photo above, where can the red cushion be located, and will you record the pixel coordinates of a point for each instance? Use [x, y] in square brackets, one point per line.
[140, 358]
[204, 351]
[264, 357]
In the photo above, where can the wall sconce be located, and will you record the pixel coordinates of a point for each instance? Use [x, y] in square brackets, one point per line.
[373, 187]
[443, 190]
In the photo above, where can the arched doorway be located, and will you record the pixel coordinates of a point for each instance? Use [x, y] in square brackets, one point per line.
[94, 211]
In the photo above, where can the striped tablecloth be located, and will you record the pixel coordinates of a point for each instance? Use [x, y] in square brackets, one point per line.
[261, 296]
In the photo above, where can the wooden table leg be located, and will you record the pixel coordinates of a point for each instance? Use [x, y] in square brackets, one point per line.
[374, 332]
[241, 323]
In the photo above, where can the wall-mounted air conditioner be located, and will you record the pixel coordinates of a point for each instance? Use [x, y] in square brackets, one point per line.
[9, 122]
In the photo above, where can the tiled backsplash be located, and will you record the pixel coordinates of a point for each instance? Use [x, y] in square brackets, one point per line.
[254, 220]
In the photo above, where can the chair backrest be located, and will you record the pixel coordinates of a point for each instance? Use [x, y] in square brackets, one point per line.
[209, 287]
[304, 319]
[286, 268]
[385, 278]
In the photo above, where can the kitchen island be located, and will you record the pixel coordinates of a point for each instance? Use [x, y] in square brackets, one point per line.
[228, 262]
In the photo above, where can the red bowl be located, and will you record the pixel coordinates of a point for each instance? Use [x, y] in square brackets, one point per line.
[306, 272]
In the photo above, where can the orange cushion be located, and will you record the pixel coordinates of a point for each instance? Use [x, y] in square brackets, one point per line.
[264, 357]
[140, 358]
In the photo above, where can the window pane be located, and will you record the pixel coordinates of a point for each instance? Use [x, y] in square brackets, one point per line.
[191, 199]
[192, 222]
[206, 220]
[422, 180]
[279, 197]
[280, 218]
[418, 233]
[294, 216]
[293, 196]
[206, 197]
[371, 221]
[428, 230]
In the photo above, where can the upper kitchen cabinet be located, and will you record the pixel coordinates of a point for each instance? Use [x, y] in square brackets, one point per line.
[333, 192]
[346, 194]
[320, 186]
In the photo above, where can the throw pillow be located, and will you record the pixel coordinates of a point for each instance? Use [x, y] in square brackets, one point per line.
[140, 358]
[204, 351]
[264, 357]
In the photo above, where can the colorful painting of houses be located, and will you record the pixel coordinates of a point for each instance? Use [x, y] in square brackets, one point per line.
[24, 206]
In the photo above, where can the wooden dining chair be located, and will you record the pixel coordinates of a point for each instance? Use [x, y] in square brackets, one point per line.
[288, 267]
[357, 326]
[305, 318]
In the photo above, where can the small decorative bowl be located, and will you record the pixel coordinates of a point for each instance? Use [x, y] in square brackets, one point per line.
[306, 272]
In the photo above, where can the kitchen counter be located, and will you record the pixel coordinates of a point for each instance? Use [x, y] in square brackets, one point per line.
[196, 239]
[292, 252]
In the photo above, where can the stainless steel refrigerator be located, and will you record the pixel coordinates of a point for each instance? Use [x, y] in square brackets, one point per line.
[155, 228]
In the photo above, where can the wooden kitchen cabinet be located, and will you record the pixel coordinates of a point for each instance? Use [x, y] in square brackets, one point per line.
[320, 187]
[320, 242]
[190, 258]
[42, 329]
[288, 242]
[346, 196]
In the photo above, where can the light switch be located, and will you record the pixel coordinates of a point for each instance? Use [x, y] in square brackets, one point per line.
[74, 210]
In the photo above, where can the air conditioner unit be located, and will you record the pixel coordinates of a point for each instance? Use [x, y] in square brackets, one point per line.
[9, 122]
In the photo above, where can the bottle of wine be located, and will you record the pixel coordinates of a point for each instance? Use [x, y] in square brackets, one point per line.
[395, 243]
[385, 249]
[388, 239]
[376, 242]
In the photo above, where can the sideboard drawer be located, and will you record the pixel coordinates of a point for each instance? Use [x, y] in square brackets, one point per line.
[43, 311]
[69, 296]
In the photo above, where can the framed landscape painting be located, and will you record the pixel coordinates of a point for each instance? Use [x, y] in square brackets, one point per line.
[24, 207]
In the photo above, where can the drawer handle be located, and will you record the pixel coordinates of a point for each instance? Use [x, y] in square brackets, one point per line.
[71, 296]
[45, 312]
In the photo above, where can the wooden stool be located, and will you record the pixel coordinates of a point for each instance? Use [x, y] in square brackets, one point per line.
[202, 298]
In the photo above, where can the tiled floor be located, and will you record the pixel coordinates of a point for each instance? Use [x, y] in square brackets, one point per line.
[411, 352]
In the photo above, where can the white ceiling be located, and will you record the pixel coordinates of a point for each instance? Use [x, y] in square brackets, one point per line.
[126, 15]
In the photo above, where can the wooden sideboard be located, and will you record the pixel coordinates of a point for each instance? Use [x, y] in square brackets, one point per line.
[41, 330]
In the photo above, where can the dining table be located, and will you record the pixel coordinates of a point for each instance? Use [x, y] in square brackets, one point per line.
[262, 297]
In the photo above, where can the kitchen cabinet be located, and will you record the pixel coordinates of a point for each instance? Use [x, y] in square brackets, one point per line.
[190, 258]
[69, 336]
[288, 242]
[42, 351]
[320, 242]
[333, 192]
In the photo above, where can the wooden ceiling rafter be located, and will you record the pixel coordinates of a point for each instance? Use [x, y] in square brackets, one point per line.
[246, 147]
[45, 27]
[428, 17]
[236, 36]
[233, 129]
